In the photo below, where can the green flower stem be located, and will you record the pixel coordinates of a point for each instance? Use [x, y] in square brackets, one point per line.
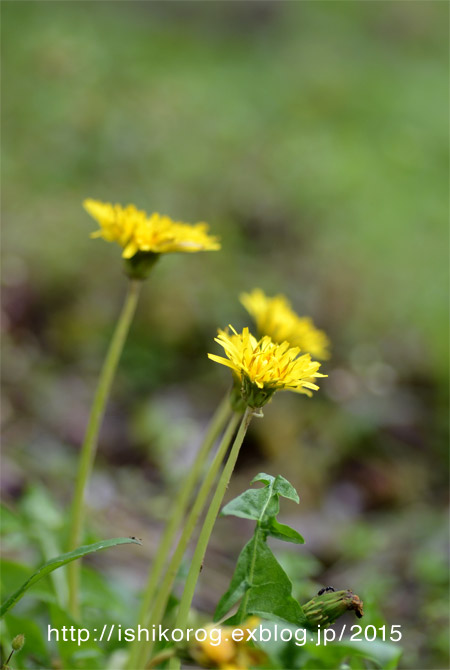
[159, 607]
[220, 417]
[89, 447]
[205, 533]
[5, 666]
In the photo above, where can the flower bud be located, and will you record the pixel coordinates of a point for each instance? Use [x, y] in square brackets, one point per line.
[325, 609]
[18, 642]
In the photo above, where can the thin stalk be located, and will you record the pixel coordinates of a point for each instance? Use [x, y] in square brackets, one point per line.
[7, 661]
[205, 533]
[89, 446]
[220, 417]
[159, 607]
[160, 658]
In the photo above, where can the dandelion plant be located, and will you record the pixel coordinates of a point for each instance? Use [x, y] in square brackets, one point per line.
[143, 239]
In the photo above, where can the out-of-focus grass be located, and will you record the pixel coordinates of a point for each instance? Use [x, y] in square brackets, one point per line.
[313, 138]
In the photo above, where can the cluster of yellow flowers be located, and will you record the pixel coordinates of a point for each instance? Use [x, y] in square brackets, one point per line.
[280, 358]
[135, 231]
[259, 366]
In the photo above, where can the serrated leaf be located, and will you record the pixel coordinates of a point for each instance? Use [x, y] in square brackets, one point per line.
[261, 583]
[283, 532]
[59, 561]
[253, 504]
[280, 485]
[261, 504]
[238, 584]
[262, 477]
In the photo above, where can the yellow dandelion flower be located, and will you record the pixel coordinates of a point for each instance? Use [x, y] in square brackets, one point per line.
[276, 318]
[136, 232]
[261, 367]
[160, 235]
[219, 651]
[117, 223]
[222, 649]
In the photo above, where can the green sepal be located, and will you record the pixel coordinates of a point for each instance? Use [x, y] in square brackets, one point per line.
[140, 265]
[254, 396]
[246, 393]
[237, 402]
[323, 610]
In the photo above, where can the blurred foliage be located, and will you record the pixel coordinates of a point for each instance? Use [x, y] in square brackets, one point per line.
[313, 137]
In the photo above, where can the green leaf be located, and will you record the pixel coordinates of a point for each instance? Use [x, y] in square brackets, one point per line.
[38, 507]
[14, 574]
[280, 485]
[283, 532]
[261, 504]
[59, 561]
[11, 522]
[75, 654]
[238, 584]
[263, 586]
[253, 504]
[306, 650]
[385, 655]
[259, 581]
[104, 597]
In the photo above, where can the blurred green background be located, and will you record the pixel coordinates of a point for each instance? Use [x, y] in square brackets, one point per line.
[313, 137]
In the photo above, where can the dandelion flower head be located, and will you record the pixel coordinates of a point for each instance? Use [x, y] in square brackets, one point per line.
[136, 232]
[261, 367]
[228, 652]
[276, 318]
